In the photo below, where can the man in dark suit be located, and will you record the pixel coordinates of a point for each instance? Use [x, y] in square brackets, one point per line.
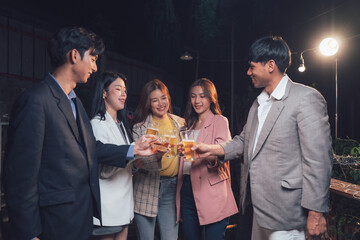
[51, 182]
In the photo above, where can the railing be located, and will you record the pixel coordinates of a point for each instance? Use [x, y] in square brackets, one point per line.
[345, 189]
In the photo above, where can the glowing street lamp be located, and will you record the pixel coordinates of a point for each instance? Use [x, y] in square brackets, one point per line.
[328, 47]
[302, 64]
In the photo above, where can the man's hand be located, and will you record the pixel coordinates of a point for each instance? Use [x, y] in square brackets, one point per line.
[316, 226]
[143, 145]
[205, 150]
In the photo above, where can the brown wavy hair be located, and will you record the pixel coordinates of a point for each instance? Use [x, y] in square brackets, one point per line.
[190, 115]
[143, 109]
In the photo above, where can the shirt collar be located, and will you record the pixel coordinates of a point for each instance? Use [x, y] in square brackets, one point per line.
[278, 92]
[71, 94]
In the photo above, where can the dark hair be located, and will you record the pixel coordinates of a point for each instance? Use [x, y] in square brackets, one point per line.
[271, 47]
[70, 38]
[143, 109]
[103, 81]
[190, 115]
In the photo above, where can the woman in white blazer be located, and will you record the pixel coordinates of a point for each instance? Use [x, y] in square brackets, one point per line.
[110, 126]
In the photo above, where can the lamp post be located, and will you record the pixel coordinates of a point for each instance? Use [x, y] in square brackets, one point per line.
[328, 47]
[186, 56]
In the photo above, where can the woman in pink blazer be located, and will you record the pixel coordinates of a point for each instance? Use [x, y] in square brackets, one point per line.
[204, 198]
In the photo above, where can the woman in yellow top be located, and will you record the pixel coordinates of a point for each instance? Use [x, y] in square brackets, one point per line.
[155, 183]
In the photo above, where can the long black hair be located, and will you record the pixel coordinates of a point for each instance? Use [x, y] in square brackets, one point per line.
[103, 81]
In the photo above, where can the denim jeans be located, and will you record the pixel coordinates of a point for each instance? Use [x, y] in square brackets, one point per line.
[166, 215]
[191, 226]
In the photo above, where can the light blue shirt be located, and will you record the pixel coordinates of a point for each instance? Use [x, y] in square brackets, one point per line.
[70, 96]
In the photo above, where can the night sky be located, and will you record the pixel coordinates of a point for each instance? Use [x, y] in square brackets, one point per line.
[158, 31]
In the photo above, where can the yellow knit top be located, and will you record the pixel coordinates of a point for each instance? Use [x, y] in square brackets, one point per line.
[169, 164]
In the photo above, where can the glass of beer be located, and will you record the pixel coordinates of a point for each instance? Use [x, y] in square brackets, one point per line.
[152, 129]
[188, 140]
[161, 145]
[170, 138]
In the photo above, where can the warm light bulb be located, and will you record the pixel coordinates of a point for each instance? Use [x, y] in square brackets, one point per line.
[186, 56]
[329, 46]
[301, 68]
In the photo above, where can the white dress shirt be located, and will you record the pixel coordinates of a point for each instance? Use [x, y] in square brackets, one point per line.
[265, 102]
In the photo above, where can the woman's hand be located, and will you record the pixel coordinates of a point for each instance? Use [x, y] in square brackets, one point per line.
[138, 163]
[212, 162]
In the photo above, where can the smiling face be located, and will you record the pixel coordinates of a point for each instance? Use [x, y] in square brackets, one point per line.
[199, 101]
[84, 67]
[115, 96]
[258, 74]
[159, 103]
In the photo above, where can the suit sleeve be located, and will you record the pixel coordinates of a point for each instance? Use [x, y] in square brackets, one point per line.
[111, 154]
[22, 164]
[315, 142]
[235, 147]
[107, 153]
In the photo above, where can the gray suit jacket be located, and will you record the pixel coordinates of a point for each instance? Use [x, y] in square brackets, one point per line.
[289, 171]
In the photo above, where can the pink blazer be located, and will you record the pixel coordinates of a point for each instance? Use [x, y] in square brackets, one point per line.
[213, 196]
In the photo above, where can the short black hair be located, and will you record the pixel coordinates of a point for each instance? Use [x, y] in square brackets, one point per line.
[69, 38]
[271, 47]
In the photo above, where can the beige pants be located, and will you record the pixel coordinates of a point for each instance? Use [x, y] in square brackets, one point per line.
[260, 233]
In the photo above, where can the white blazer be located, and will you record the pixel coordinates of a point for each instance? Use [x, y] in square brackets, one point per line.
[116, 193]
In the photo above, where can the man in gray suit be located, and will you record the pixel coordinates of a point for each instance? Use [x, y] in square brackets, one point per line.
[286, 147]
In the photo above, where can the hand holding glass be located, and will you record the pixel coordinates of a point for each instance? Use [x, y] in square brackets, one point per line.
[188, 140]
[170, 138]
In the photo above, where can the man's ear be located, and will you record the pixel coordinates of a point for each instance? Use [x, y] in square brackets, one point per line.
[271, 65]
[74, 56]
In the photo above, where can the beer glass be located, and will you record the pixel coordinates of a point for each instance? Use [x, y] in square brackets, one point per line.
[160, 145]
[170, 138]
[188, 140]
[152, 129]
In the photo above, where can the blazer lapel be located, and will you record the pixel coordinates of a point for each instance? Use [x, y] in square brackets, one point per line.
[269, 123]
[203, 133]
[64, 106]
[253, 128]
[114, 129]
[273, 115]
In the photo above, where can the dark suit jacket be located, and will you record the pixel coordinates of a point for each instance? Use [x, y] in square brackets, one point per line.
[50, 169]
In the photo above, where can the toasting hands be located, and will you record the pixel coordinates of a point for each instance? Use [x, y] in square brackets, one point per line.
[143, 145]
[205, 150]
